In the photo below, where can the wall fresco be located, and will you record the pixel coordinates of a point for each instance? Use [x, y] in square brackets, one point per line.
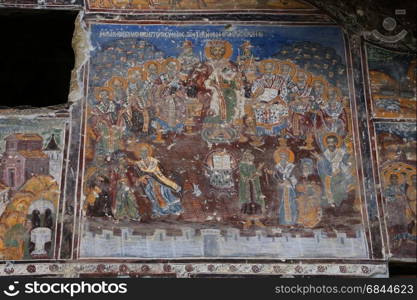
[179, 5]
[392, 83]
[397, 143]
[30, 177]
[219, 141]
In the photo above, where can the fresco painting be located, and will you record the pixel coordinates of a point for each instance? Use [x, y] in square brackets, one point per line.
[179, 5]
[392, 83]
[204, 139]
[219, 141]
[30, 177]
[397, 144]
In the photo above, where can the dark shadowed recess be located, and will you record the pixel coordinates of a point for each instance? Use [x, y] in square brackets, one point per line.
[402, 270]
[36, 57]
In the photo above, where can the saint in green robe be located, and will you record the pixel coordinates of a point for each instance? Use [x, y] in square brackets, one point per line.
[249, 177]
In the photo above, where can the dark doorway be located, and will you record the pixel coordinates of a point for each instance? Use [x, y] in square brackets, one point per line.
[11, 178]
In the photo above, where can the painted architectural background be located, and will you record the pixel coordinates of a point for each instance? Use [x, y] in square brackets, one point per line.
[30, 175]
[255, 142]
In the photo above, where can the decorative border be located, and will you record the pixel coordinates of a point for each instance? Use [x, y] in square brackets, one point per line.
[121, 11]
[372, 209]
[187, 270]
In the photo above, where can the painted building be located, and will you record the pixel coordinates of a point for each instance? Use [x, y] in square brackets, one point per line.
[54, 153]
[22, 159]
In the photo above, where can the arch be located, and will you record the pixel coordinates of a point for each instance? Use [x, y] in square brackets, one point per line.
[41, 205]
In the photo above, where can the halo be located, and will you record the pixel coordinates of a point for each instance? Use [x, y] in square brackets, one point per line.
[146, 67]
[339, 139]
[171, 59]
[262, 64]
[309, 76]
[338, 91]
[325, 84]
[388, 174]
[287, 150]
[120, 3]
[22, 202]
[108, 89]
[187, 44]
[228, 48]
[134, 69]
[140, 146]
[409, 175]
[292, 66]
[246, 44]
[10, 215]
[247, 153]
[111, 82]
[411, 73]
[89, 173]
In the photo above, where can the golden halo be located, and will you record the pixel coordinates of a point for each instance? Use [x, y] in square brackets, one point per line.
[228, 48]
[325, 85]
[134, 70]
[246, 44]
[108, 89]
[146, 67]
[21, 204]
[171, 59]
[292, 66]
[309, 76]
[187, 44]
[120, 3]
[411, 74]
[287, 150]
[13, 217]
[388, 173]
[138, 148]
[339, 139]
[337, 90]
[247, 154]
[409, 175]
[262, 64]
[89, 173]
[111, 82]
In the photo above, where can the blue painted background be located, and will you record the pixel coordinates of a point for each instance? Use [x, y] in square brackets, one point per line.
[264, 47]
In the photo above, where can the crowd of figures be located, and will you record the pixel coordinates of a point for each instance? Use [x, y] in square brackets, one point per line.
[142, 96]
